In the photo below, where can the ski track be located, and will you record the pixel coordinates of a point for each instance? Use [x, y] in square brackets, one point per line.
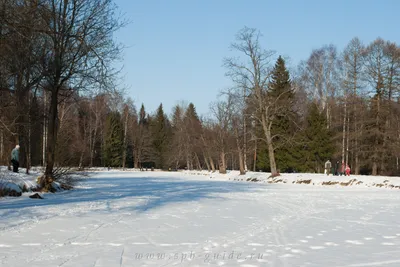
[124, 219]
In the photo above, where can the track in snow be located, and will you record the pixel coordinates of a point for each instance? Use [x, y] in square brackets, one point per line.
[168, 219]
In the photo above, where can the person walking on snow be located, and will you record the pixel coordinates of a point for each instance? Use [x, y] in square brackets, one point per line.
[347, 170]
[343, 169]
[15, 158]
[328, 166]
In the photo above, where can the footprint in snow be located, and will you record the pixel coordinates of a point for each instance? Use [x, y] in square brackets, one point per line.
[215, 244]
[167, 245]
[317, 247]
[255, 245]
[80, 244]
[287, 255]
[114, 244]
[298, 251]
[331, 244]
[354, 242]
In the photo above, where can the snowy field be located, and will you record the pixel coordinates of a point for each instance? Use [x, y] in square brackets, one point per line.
[189, 219]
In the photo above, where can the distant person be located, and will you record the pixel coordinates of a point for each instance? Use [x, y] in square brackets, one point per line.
[328, 167]
[15, 158]
[337, 168]
[343, 169]
[347, 170]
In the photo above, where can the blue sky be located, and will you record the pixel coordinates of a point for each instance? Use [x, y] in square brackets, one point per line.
[175, 48]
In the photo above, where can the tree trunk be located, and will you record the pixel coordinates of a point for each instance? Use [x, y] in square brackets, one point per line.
[347, 138]
[136, 163]
[29, 139]
[255, 156]
[212, 164]
[344, 131]
[51, 140]
[222, 162]
[207, 163]
[356, 152]
[241, 163]
[197, 162]
[44, 142]
[271, 152]
[93, 143]
[21, 120]
[241, 156]
[244, 134]
[81, 160]
[125, 142]
[2, 161]
[271, 155]
[374, 168]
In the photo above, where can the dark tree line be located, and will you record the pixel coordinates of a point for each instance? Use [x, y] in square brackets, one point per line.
[58, 101]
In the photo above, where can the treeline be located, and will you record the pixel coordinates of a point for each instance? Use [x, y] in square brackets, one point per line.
[59, 102]
[52, 52]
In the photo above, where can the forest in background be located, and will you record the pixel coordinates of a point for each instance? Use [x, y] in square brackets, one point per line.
[60, 102]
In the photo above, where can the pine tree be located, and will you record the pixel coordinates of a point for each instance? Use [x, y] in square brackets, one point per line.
[161, 133]
[114, 140]
[318, 145]
[193, 132]
[283, 127]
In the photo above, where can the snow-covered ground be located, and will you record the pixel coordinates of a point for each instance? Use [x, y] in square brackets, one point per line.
[134, 219]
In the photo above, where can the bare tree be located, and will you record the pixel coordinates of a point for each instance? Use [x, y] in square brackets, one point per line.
[320, 75]
[80, 52]
[353, 68]
[222, 111]
[253, 74]
[376, 72]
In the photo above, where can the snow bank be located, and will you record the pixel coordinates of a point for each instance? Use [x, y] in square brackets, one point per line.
[313, 179]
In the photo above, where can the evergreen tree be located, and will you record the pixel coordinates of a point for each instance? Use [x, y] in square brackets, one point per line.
[161, 133]
[193, 131]
[114, 140]
[178, 138]
[283, 127]
[318, 145]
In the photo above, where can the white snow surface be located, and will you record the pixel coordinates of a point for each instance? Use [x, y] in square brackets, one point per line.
[117, 218]
[16, 181]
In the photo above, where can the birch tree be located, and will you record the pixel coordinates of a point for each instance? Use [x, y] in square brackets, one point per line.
[253, 73]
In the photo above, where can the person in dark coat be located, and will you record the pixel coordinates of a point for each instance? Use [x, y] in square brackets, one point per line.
[337, 168]
[328, 166]
[15, 158]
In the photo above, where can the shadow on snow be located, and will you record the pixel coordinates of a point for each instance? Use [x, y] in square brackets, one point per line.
[157, 191]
